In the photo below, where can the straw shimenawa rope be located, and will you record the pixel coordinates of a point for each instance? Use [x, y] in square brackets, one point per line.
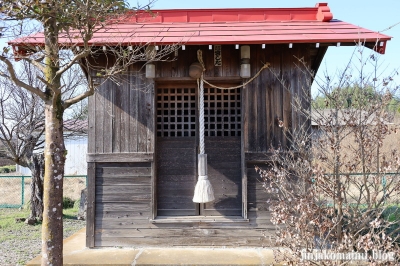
[200, 58]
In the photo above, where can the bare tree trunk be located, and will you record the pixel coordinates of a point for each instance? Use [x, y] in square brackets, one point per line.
[52, 228]
[54, 152]
[37, 168]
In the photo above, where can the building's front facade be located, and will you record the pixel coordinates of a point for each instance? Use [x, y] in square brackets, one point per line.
[144, 133]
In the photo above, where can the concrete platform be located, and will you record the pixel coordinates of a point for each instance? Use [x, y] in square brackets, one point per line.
[75, 253]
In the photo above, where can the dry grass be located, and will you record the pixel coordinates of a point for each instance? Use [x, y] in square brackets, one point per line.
[4, 162]
[73, 187]
[11, 189]
[348, 146]
[390, 144]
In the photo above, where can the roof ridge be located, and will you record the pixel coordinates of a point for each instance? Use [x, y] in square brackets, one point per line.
[321, 12]
[324, 12]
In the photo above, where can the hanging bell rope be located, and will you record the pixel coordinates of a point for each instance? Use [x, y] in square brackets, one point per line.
[203, 192]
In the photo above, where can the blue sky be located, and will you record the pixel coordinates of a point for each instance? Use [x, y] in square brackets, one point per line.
[373, 15]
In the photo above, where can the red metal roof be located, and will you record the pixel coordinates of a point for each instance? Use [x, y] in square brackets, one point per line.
[226, 26]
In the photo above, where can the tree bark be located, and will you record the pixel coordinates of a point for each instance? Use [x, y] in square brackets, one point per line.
[37, 168]
[54, 153]
[52, 227]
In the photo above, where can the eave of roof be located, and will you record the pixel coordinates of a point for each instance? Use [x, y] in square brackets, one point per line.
[225, 26]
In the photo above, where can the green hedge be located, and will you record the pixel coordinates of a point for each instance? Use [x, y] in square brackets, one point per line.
[7, 169]
[68, 203]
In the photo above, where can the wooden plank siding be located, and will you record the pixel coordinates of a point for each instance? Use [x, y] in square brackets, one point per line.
[123, 214]
[124, 115]
[128, 161]
[129, 230]
[265, 100]
[269, 98]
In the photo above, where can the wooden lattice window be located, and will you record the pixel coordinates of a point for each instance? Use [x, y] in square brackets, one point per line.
[176, 112]
[222, 112]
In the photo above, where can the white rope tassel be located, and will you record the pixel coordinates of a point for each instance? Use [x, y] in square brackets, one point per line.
[203, 192]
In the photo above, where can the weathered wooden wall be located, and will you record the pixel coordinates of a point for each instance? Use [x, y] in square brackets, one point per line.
[122, 145]
[269, 98]
[121, 116]
[125, 113]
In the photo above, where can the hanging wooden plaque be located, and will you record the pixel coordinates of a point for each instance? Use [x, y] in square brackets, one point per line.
[217, 55]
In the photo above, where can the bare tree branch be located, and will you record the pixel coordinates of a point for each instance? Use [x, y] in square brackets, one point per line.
[79, 98]
[17, 81]
[35, 62]
[73, 61]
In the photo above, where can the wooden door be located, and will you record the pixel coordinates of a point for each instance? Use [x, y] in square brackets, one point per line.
[177, 148]
[223, 148]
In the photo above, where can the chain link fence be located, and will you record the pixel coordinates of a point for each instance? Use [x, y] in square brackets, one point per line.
[15, 191]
